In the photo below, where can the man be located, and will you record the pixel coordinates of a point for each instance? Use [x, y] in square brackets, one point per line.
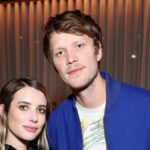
[101, 113]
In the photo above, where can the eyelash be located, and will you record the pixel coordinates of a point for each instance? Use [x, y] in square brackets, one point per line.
[42, 110]
[25, 107]
[80, 45]
[59, 53]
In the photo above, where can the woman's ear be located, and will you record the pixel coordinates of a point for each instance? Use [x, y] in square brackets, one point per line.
[1, 109]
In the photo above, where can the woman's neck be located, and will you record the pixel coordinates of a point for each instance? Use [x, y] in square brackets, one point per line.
[15, 142]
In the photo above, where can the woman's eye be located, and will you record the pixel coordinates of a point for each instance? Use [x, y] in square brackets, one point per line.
[42, 110]
[23, 107]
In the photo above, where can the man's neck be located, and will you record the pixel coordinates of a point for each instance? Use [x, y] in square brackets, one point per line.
[94, 95]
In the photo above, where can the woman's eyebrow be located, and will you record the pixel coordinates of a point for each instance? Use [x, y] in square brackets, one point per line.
[42, 106]
[24, 102]
[28, 103]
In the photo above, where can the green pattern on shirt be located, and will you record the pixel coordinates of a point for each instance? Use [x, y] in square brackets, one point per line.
[93, 133]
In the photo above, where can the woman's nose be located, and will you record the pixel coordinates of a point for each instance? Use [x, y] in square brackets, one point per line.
[34, 117]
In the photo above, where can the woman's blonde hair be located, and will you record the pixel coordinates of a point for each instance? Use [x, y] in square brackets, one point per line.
[6, 96]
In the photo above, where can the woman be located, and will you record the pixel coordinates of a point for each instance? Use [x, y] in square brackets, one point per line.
[24, 106]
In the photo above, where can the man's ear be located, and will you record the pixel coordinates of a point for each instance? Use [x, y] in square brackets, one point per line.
[1, 109]
[99, 52]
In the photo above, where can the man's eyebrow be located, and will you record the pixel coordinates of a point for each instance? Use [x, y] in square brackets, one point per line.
[80, 40]
[60, 47]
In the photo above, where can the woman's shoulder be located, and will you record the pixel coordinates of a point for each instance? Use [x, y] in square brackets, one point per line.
[9, 147]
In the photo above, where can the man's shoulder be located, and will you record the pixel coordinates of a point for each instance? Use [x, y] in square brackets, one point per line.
[135, 89]
[135, 93]
[125, 90]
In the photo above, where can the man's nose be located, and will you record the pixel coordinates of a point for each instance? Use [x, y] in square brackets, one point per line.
[71, 57]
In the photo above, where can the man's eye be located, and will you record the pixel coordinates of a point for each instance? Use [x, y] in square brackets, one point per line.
[80, 45]
[42, 110]
[60, 53]
[23, 107]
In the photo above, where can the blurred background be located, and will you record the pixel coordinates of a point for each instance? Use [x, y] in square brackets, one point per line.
[126, 34]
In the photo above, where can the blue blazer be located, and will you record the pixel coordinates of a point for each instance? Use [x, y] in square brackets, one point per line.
[126, 120]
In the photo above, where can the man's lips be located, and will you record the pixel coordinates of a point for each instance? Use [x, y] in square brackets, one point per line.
[74, 71]
[30, 128]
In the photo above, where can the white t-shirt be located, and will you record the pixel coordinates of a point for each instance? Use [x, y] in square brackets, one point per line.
[92, 126]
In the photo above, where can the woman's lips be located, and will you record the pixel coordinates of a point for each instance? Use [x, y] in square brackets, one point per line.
[30, 128]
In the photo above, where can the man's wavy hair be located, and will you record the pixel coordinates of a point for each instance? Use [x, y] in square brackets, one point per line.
[73, 22]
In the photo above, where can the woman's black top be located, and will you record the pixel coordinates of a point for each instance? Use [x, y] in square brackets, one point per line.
[9, 147]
